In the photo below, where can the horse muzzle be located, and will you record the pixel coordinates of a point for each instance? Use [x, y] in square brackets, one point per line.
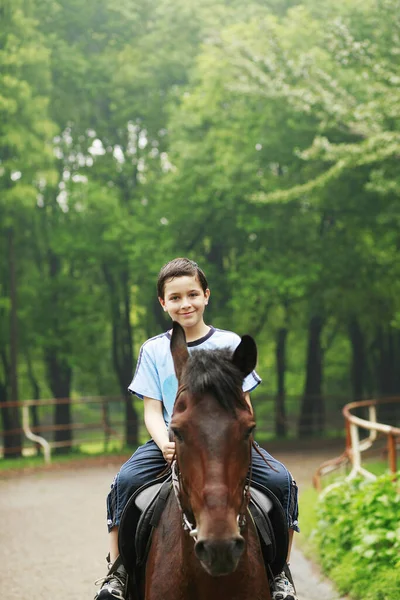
[219, 557]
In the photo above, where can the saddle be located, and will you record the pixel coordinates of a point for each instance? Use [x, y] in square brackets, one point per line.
[143, 510]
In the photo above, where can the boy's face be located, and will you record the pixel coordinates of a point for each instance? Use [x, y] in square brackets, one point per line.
[184, 300]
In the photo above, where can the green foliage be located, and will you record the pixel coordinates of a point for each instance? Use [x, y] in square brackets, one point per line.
[25, 147]
[25, 129]
[132, 132]
[357, 535]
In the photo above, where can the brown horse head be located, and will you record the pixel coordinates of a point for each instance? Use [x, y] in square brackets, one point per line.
[213, 426]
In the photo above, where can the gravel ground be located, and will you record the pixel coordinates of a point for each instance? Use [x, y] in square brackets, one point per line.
[53, 537]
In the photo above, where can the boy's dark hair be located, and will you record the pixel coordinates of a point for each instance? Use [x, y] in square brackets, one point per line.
[180, 267]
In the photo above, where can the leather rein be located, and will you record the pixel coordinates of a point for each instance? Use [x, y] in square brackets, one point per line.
[178, 487]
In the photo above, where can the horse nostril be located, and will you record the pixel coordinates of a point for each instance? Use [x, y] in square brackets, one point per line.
[238, 547]
[200, 550]
[211, 550]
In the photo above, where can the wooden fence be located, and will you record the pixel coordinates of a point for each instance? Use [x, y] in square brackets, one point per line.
[355, 446]
[101, 420]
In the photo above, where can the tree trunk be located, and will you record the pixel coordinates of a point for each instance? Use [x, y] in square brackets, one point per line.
[312, 414]
[122, 346]
[34, 413]
[219, 300]
[280, 412]
[358, 366]
[386, 367]
[11, 416]
[396, 362]
[59, 375]
[59, 371]
[158, 316]
[11, 428]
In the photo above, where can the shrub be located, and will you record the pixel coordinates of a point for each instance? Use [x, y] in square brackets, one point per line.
[357, 536]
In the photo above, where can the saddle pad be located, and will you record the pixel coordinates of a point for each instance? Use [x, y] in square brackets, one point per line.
[146, 495]
[149, 520]
[275, 518]
[131, 516]
[264, 502]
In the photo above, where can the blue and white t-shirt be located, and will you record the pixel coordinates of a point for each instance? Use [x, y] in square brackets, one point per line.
[155, 374]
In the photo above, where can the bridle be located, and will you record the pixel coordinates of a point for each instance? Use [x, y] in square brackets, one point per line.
[178, 487]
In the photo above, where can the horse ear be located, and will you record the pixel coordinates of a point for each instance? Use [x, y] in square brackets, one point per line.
[245, 355]
[179, 349]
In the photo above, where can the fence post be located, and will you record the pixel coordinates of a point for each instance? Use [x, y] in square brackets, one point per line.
[106, 423]
[392, 453]
[355, 450]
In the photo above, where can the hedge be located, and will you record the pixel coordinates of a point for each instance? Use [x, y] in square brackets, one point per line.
[357, 537]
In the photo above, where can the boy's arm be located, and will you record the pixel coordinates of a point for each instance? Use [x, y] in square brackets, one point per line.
[155, 425]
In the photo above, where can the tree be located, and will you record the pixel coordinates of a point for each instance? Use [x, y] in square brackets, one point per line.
[25, 131]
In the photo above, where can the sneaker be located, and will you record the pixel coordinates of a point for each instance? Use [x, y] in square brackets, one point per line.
[284, 590]
[113, 586]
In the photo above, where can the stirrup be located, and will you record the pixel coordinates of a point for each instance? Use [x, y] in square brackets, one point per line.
[112, 567]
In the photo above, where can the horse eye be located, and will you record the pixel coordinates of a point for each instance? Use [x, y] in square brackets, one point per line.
[250, 431]
[177, 434]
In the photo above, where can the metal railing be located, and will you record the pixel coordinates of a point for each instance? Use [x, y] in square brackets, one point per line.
[355, 446]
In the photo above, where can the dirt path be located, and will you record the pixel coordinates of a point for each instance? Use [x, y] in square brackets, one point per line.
[53, 537]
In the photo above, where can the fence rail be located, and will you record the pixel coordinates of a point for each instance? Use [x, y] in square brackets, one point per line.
[35, 433]
[356, 446]
[106, 415]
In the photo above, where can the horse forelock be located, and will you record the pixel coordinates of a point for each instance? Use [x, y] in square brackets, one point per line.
[212, 372]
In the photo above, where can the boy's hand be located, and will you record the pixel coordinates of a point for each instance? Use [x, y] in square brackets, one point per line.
[168, 451]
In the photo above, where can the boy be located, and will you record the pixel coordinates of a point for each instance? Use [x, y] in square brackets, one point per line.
[183, 293]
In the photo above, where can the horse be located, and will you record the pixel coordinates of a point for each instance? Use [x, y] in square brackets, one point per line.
[205, 546]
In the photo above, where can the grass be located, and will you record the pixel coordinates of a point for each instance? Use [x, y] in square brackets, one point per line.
[307, 503]
[81, 452]
[376, 467]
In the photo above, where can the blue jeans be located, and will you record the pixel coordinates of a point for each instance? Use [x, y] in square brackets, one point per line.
[148, 462]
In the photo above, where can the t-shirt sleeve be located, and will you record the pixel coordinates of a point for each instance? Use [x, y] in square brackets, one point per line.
[252, 380]
[146, 381]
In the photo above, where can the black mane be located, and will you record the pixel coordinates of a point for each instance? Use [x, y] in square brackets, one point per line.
[212, 371]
